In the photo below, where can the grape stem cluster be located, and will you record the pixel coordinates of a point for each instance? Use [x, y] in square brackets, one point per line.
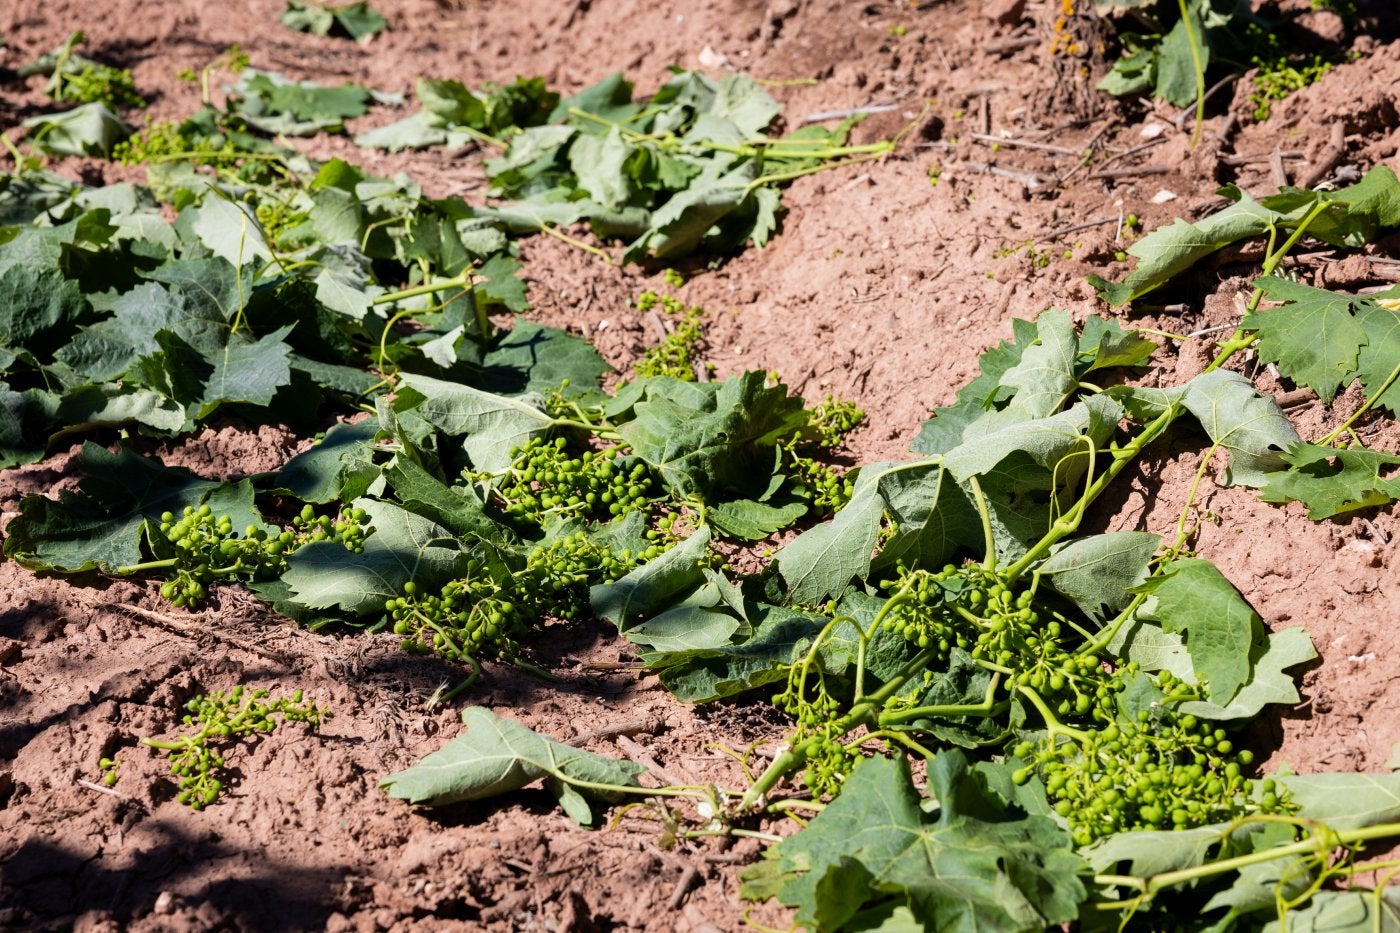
[218, 721]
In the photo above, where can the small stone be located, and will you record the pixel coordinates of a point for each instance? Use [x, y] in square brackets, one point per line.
[165, 903]
[1004, 12]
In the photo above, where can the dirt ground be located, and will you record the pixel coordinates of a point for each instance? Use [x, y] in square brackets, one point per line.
[881, 287]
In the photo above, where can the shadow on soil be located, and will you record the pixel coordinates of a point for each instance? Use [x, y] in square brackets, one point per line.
[48, 883]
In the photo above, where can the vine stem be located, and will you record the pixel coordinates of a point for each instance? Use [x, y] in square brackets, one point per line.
[1242, 338]
[863, 712]
[1322, 841]
[1198, 66]
[1345, 426]
[1122, 456]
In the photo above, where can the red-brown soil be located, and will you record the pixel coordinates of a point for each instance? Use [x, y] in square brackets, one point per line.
[881, 287]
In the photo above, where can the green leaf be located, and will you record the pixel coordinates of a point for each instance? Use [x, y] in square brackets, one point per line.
[490, 425]
[600, 163]
[1221, 629]
[41, 310]
[654, 585]
[497, 756]
[1058, 443]
[1097, 573]
[1251, 427]
[1268, 682]
[403, 547]
[1346, 801]
[319, 474]
[1176, 67]
[455, 508]
[101, 527]
[229, 229]
[713, 439]
[1144, 853]
[945, 430]
[277, 105]
[1332, 481]
[1314, 336]
[823, 560]
[779, 638]
[249, 371]
[748, 520]
[1355, 911]
[956, 872]
[1168, 251]
[90, 130]
[1378, 365]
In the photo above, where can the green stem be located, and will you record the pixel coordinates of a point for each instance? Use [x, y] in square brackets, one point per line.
[1370, 402]
[862, 712]
[1320, 844]
[1069, 522]
[990, 542]
[1198, 66]
[1181, 533]
[148, 565]
[987, 707]
[1052, 722]
[463, 281]
[777, 178]
[547, 230]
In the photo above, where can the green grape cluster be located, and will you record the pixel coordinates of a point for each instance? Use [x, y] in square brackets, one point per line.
[546, 481]
[277, 216]
[345, 527]
[482, 615]
[1162, 771]
[829, 761]
[833, 419]
[824, 487]
[95, 83]
[973, 609]
[208, 550]
[471, 617]
[220, 719]
[675, 355]
[559, 572]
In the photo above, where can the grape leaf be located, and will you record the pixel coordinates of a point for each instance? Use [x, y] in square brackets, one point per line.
[1168, 251]
[101, 527]
[229, 229]
[779, 637]
[713, 439]
[1048, 441]
[1251, 427]
[1332, 481]
[1354, 911]
[1346, 801]
[1268, 682]
[748, 520]
[490, 425]
[1097, 573]
[944, 430]
[654, 585]
[88, 130]
[319, 474]
[823, 560]
[403, 547]
[993, 871]
[496, 756]
[1378, 366]
[353, 20]
[1193, 596]
[1313, 335]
